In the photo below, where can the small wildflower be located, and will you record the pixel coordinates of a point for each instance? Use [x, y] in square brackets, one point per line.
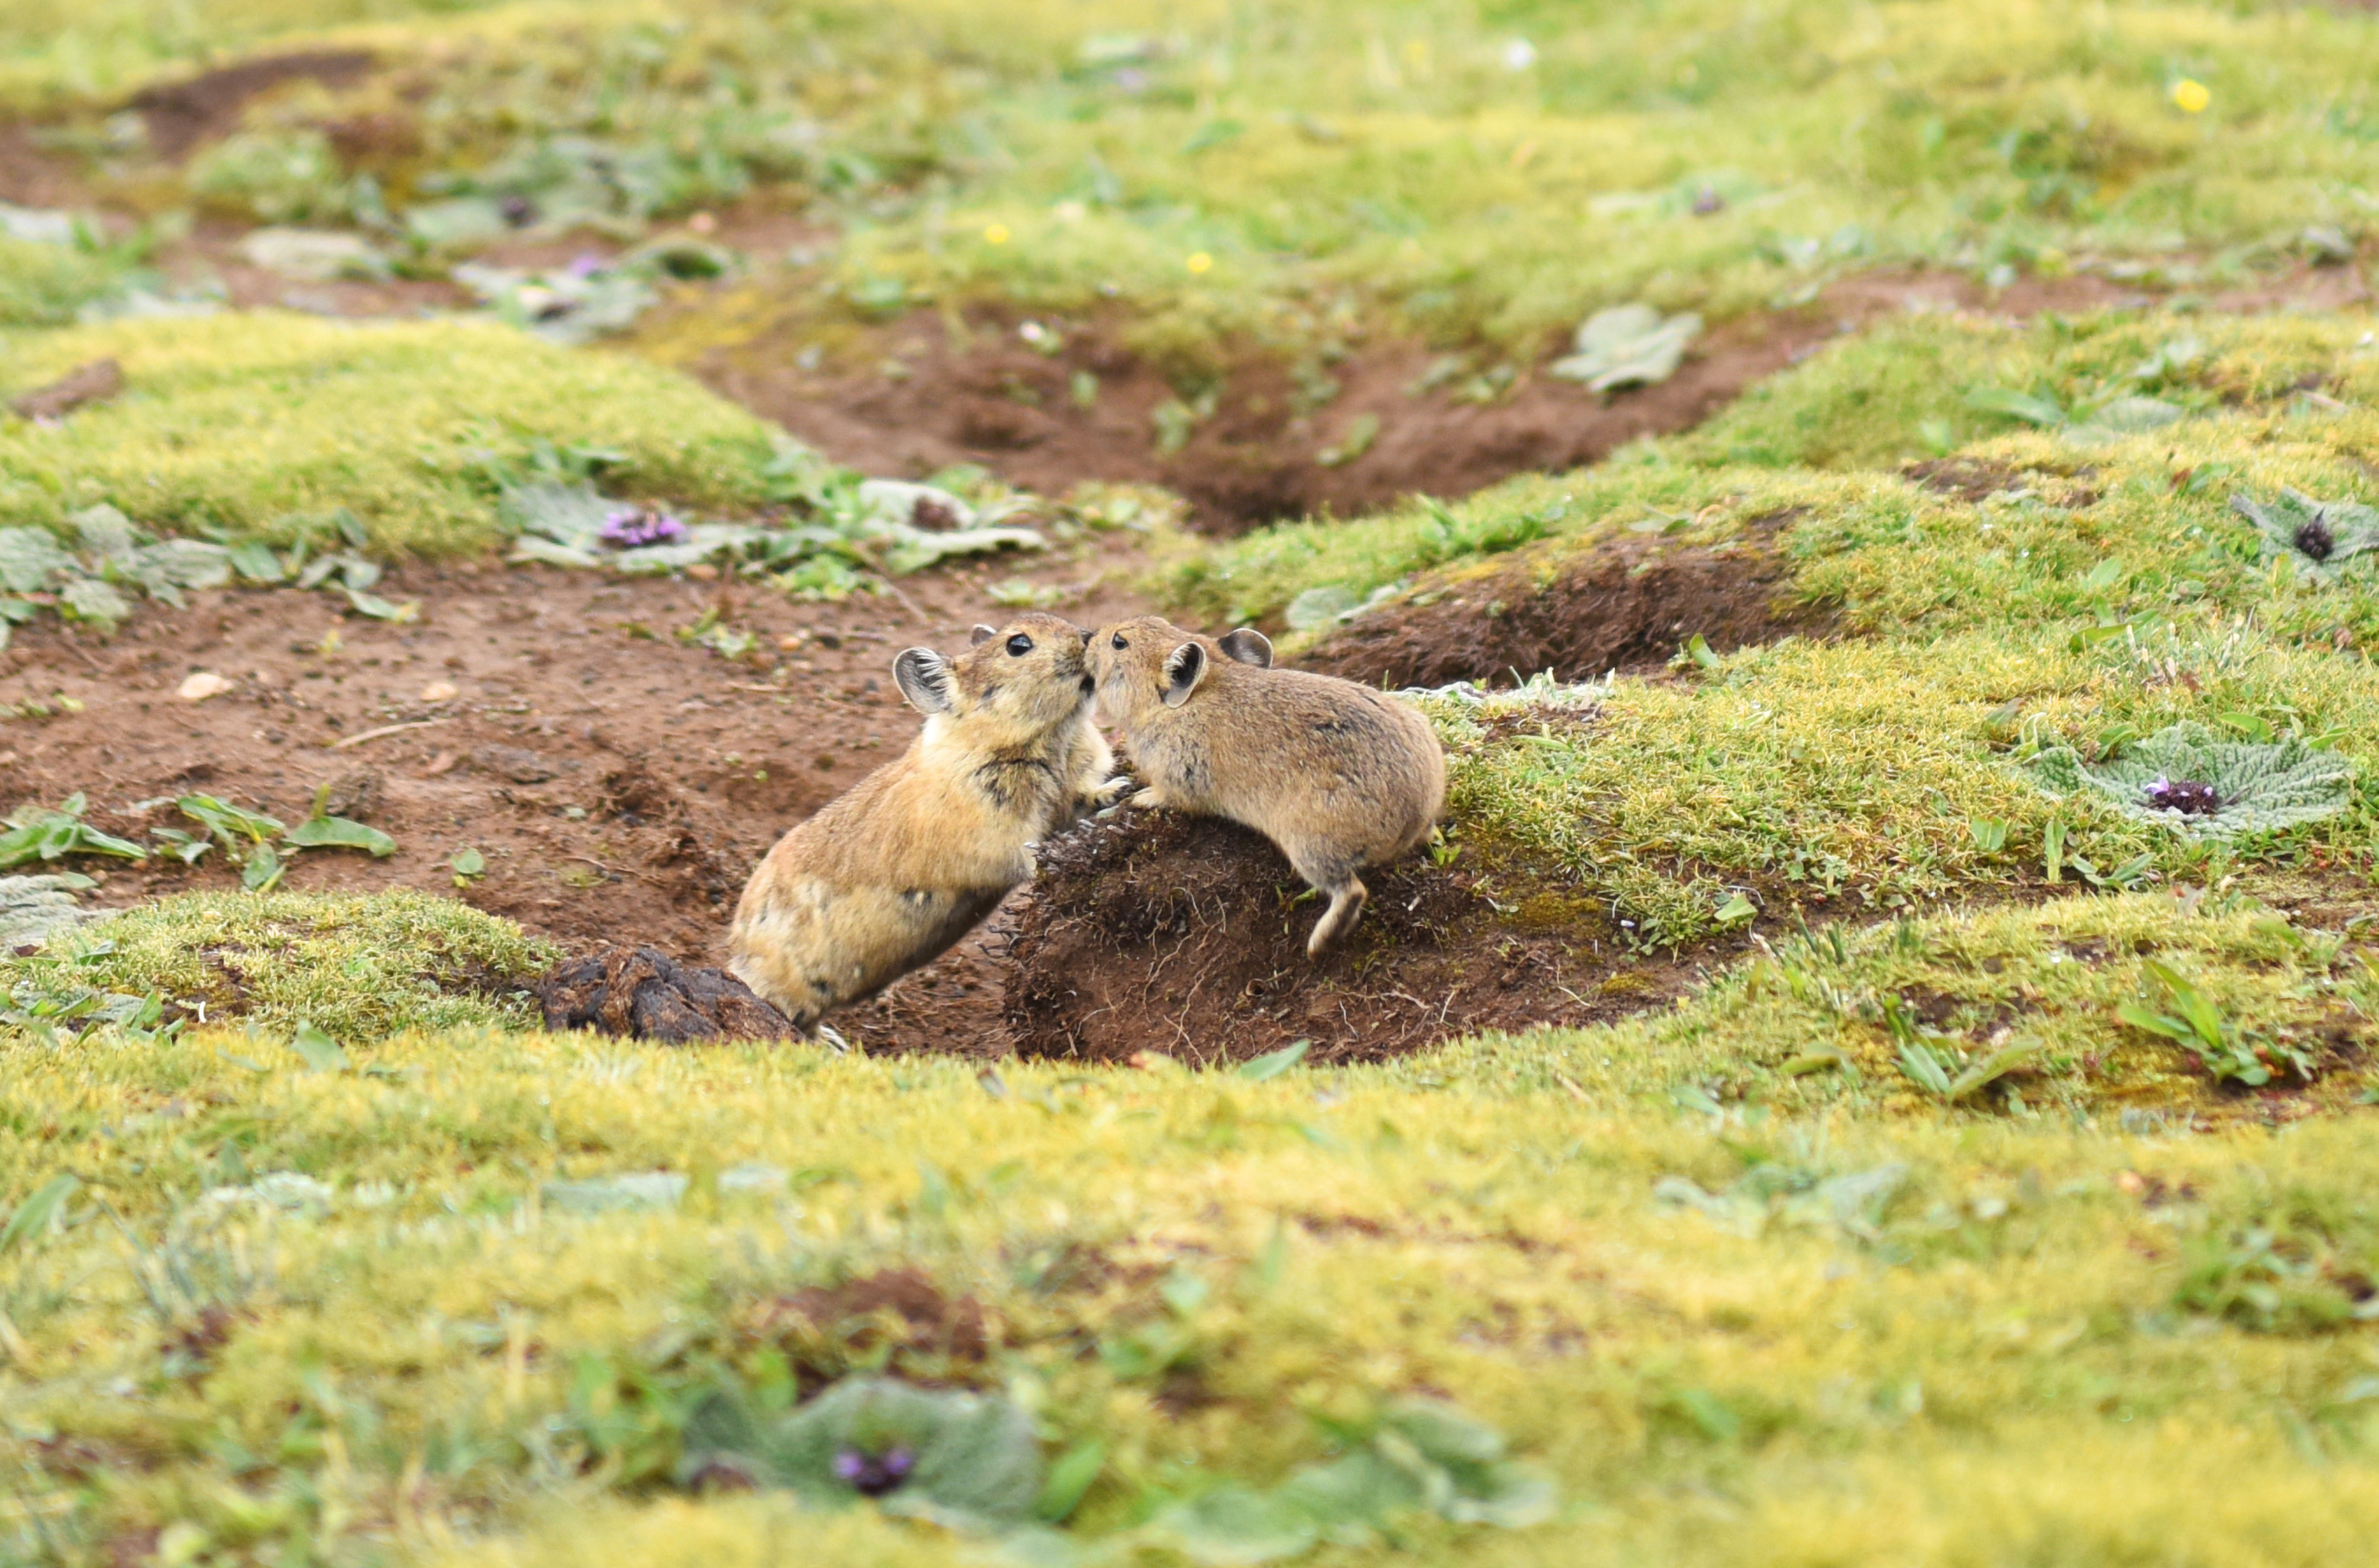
[996, 234]
[2183, 795]
[636, 526]
[2191, 96]
[872, 1475]
[1200, 263]
[1520, 55]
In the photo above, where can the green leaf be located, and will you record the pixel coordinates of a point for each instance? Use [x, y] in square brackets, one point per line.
[1697, 647]
[256, 562]
[229, 822]
[262, 870]
[2155, 1023]
[1922, 1067]
[1272, 1064]
[341, 833]
[2032, 410]
[1233, 1525]
[317, 1050]
[1736, 907]
[379, 609]
[1992, 1068]
[1069, 1478]
[34, 1215]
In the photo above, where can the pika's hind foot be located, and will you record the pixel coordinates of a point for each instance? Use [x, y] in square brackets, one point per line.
[1346, 909]
[1109, 795]
[1144, 800]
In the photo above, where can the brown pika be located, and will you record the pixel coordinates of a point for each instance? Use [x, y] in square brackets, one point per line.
[889, 874]
[1338, 776]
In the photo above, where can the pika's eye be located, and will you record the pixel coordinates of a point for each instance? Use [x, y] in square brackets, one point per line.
[1020, 645]
[1120, 643]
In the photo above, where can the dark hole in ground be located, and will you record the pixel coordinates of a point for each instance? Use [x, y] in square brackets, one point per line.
[1186, 936]
[1627, 604]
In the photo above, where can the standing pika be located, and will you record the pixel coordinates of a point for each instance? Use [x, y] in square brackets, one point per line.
[892, 873]
[1338, 776]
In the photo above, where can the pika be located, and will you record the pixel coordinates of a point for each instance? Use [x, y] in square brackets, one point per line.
[892, 873]
[1338, 776]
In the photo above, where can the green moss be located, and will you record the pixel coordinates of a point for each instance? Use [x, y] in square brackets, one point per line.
[42, 285]
[360, 968]
[234, 423]
[1812, 1022]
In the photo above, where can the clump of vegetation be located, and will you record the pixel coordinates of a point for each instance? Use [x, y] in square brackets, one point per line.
[2197, 785]
[246, 429]
[2106, 1005]
[358, 968]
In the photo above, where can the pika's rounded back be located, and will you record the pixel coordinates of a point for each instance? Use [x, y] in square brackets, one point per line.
[1339, 775]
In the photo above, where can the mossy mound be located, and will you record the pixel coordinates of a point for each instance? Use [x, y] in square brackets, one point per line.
[244, 425]
[359, 968]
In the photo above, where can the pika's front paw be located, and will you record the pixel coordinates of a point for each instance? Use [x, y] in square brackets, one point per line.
[1032, 862]
[1144, 800]
[1104, 798]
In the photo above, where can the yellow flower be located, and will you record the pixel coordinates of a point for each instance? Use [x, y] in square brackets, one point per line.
[996, 233]
[2189, 96]
[1199, 262]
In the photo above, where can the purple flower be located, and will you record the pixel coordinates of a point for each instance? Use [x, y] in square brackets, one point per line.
[587, 264]
[2183, 795]
[634, 526]
[872, 1475]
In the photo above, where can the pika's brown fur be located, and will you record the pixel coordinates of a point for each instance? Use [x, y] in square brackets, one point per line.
[889, 874]
[1338, 776]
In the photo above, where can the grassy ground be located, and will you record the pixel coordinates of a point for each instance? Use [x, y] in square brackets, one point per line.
[2010, 1201]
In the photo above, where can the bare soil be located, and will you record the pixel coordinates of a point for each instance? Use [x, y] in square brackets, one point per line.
[1627, 604]
[1185, 937]
[617, 782]
[968, 387]
[182, 116]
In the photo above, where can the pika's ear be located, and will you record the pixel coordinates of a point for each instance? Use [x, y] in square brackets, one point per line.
[1184, 668]
[1248, 645]
[923, 678]
[983, 635]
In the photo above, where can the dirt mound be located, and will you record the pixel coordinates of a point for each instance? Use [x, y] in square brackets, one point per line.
[1186, 936]
[1627, 604]
[183, 116]
[643, 993]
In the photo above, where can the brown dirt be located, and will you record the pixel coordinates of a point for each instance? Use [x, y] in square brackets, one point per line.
[183, 116]
[1185, 937]
[1627, 604]
[642, 994]
[94, 383]
[925, 393]
[993, 399]
[619, 784]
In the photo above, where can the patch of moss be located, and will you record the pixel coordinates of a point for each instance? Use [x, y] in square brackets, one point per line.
[239, 425]
[360, 967]
[1822, 1017]
[43, 284]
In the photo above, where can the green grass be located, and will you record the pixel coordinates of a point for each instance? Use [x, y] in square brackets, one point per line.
[43, 284]
[1485, 175]
[417, 1348]
[239, 426]
[1737, 1273]
[359, 968]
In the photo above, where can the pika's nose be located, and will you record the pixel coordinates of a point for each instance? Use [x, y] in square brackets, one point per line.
[1086, 638]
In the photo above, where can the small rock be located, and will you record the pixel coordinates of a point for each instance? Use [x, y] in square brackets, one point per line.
[516, 763]
[355, 794]
[94, 383]
[320, 255]
[202, 684]
[441, 692]
[34, 908]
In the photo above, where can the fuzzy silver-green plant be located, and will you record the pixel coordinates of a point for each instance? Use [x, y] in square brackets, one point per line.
[2324, 537]
[964, 1460]
[2201, 787]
